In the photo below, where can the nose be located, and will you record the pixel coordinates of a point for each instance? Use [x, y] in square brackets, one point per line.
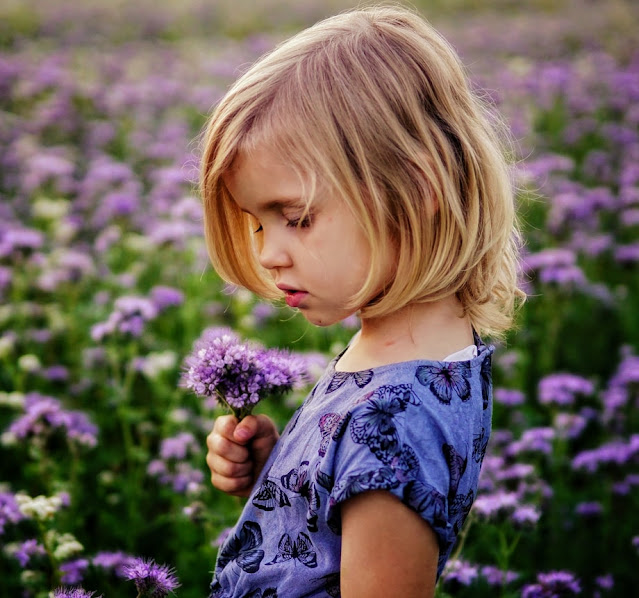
[274, 252]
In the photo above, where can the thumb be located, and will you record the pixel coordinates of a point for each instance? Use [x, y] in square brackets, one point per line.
[246, 429]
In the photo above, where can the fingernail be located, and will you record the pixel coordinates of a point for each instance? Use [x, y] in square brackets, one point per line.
[242, 434]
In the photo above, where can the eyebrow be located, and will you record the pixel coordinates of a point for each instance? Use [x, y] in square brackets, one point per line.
[283, 202]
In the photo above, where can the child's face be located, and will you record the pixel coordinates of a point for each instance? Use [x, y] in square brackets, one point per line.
[320, 264]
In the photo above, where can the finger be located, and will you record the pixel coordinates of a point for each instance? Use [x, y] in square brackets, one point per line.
[225, 426]
[219, 445]
[254, 427]
[234, 486]
[246, 429]
[228, 469]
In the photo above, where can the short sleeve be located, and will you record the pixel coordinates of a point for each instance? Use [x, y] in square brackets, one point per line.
[393, 442]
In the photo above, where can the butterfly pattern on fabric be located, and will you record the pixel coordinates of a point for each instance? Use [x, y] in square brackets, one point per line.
[459, 509]
[371, 480]
[331, 583]
[298, 481]
[267, 593]
[243, 549]
[486, 381]
[480, 444]
[395, 432]
[340, 378]
[446, 380]
[456, 465]
[332, 427]
[269, 496]
[375, 425]
[325, 480]
[301, 550]
[405, 464]
[424, 498]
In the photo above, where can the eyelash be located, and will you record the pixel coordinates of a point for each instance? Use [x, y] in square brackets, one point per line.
[302, 223]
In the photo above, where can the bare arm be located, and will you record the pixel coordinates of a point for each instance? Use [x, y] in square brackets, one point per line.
[237, 451]
[387, 549]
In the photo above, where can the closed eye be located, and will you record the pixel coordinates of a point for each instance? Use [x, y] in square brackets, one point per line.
[299, 222]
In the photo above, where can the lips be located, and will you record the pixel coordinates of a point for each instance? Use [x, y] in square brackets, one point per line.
[293, 297]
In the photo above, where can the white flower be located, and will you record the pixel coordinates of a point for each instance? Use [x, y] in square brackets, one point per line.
[50, 209]
[67, 546]
[156, 363]
[40, 508]
[29, 363]
[14, 399]
[7, 343]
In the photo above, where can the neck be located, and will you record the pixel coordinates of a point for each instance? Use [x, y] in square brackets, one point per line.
[417, 331]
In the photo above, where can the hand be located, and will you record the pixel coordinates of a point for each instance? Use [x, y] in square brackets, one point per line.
[237, 451]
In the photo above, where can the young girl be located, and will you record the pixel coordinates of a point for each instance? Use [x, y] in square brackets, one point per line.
[352, 170]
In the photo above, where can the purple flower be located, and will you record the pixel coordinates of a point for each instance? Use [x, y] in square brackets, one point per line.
[553, 584]
[9, 511]
[164, 297]
[589, 509]
[525, 516]
[605, 582]
[73, 593]
[561, 389]
[496, 577]
[56, 373]
[616, 451]
[178, 447]
[569, 425]
[129, 317]
[538, 440]
[509, 397]
[490, 506]
[28, 549]
[627, 253]
[151, 580]
[460, 572]
[73, 571]
[113, 561]
[239, 375]
[20, 240]
[44, 414]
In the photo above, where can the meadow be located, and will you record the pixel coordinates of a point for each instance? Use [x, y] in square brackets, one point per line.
[105, 286]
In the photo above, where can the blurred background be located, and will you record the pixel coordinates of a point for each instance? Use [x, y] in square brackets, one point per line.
[105, 286]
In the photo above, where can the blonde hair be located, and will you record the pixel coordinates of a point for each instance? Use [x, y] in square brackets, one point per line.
[375, 105]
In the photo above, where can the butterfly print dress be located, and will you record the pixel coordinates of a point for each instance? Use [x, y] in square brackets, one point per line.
[417, 429]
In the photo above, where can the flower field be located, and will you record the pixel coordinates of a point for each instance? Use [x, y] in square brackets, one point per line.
[105, 289]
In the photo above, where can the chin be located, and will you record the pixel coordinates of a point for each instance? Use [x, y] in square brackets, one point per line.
[324, 320]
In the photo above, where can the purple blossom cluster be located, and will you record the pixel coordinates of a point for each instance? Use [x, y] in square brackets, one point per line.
[73, 571]
[172, 470]
[131, 313]
[129, 317]
[113, 562]
[462, 573]
[238, 375]
[553, 585]
[28, 549]
[151, 580]
[74, 593]
[561, 389]
[44, 415]
[10, 513]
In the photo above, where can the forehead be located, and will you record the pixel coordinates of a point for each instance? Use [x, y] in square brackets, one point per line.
[262, 179]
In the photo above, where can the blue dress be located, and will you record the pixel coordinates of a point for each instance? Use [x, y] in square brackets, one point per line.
[417, 429]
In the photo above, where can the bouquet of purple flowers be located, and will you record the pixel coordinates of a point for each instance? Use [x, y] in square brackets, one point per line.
[239, 375]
